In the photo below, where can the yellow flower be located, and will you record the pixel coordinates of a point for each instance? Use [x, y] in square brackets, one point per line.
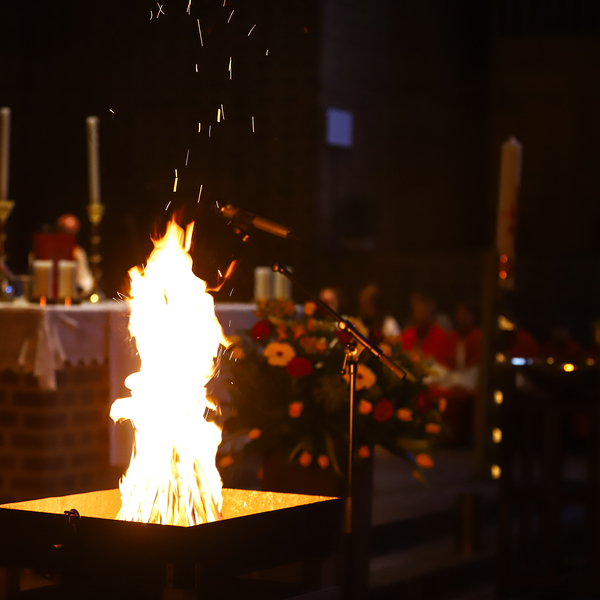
[279, 354]
[364, 407]
[295, 409]
[305, 459]
[364, 452]
[323, 461]
[404, 414]
[226, 461]
[365, 378]
[254, 434]
[442, 405]
[310, 308]
[424, 460]
[432, 428]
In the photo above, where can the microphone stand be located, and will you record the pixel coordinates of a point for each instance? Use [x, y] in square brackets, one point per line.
[351, 354]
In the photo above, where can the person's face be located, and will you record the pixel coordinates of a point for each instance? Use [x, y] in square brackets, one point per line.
[330, 298]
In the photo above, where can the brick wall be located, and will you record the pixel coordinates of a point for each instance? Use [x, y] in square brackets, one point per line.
[54, 442]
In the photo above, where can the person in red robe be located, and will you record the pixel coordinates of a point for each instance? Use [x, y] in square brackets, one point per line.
[464, 342]
[424, 334]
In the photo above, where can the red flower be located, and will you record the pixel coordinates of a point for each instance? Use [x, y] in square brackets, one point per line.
[299, 367]
[424, 402]
[384, 409]
[261, 329]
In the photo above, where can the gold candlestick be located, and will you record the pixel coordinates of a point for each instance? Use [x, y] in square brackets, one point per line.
[95, 213]
[6, 207]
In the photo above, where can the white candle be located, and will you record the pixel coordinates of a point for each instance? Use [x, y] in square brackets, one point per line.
[262, 283]
[67, 273]
[93, 159]
[283, 286]
[42, 279]
[4, 151]
[510, 181]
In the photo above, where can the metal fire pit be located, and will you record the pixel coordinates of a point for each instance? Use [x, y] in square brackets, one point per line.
[259, 530]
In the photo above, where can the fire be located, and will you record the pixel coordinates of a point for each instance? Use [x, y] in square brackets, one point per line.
[172, 477]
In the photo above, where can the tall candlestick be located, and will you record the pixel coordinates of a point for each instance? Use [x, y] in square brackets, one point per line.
[510, 181]
[93, 159]
[4, 151]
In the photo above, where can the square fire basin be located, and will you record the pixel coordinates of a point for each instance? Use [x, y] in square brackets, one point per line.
[259, 530]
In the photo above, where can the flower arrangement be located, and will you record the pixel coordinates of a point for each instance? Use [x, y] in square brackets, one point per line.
[280, 387]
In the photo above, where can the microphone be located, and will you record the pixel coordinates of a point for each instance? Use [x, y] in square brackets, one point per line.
[247, 218]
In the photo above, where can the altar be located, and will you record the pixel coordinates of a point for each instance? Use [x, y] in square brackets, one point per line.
[61, 368]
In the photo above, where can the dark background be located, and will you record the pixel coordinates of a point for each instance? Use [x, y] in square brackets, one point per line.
[434, 88]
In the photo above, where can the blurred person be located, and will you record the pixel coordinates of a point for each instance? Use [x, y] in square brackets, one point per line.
[464, 347]
[70, 224]
[561, 346]
[424, 334]
[333, 297]
[373, 312]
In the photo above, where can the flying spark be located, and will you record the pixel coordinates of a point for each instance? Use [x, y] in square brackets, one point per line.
[111, 110]
[267, 53]
[200, 32]
[252, 123]
[231, 292]
[200, 193]
[253, 26]
[187, 156]
[199, 127]
[231, 15]
[175, 184]
[160, 10]
[151, 15]
[222, 112]
[209, 128]
[218, 115]
[189, 6]
[230, 73]
[168, 205]
[219, 272]
[217, 203]
[196, 67]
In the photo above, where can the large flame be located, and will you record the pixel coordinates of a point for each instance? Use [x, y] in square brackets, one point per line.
[172, 477]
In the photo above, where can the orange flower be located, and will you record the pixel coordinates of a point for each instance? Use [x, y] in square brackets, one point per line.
[432, 428]
[281, 332]
[295, 409]
[310, 308]
[279, 354]
[311, 324]
[386, 349]
[305, 459]
[254, 434]
[237, 353]
[442, 405]
[364, 452]
[226, 461]
[404, 414]
[298, 331]
[365, 378]
[424, 460]
[323, 461]
[364, 407]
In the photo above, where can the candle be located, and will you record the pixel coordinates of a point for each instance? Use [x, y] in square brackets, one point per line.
[93, 159]
[510, 180]
[4, 151]
[42, 279]
[283, 286]
[67, 272]
[262, 283]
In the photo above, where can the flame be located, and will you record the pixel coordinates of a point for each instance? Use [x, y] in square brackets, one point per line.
[172, 477]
